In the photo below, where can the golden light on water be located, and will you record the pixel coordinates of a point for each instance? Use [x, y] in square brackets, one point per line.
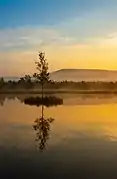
[96, 120]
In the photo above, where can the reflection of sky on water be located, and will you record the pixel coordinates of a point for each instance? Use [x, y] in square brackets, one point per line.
[96, 121]
[83, 140]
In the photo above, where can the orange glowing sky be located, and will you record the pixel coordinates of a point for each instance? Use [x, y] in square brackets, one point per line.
[82, 35]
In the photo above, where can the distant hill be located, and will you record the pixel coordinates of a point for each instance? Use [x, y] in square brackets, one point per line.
[79, 75]
[13, 78]
[84, 75]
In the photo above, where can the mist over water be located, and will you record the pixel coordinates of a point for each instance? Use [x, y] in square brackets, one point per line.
[77, 75]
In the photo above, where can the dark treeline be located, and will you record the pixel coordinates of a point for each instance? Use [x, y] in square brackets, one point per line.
[28, 83]
[40, 82]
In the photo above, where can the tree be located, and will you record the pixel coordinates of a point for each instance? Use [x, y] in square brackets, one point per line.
[27, 78]
[25, 82]
[42, 76]
[2, 82]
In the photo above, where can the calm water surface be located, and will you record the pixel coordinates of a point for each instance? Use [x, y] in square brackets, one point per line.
[80, 142]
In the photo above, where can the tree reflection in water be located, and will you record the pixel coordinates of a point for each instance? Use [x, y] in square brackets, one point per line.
[42, 128]
[41, 125]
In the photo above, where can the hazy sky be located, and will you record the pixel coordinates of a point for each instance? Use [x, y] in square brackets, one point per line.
[73, 33]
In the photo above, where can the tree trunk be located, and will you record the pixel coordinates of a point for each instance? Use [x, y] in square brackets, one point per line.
[42, 92]
[42, 111]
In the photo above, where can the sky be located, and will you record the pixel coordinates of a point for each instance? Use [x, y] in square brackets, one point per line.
[72, 33]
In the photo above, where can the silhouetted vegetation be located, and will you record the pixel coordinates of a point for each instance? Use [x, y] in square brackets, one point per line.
[29, 85]
[43, 75]
[47, 101]
[40, 83]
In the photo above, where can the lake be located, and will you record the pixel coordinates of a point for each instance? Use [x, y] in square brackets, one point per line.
[79, 139]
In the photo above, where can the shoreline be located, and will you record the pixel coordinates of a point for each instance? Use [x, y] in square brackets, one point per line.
[59, 92]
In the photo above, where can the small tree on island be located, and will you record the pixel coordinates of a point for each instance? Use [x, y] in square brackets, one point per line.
[42, 76]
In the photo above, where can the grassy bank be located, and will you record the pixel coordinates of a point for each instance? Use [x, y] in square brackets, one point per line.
[59, 91]
[31, 87]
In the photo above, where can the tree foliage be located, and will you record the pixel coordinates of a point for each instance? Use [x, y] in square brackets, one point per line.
[42, 76]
